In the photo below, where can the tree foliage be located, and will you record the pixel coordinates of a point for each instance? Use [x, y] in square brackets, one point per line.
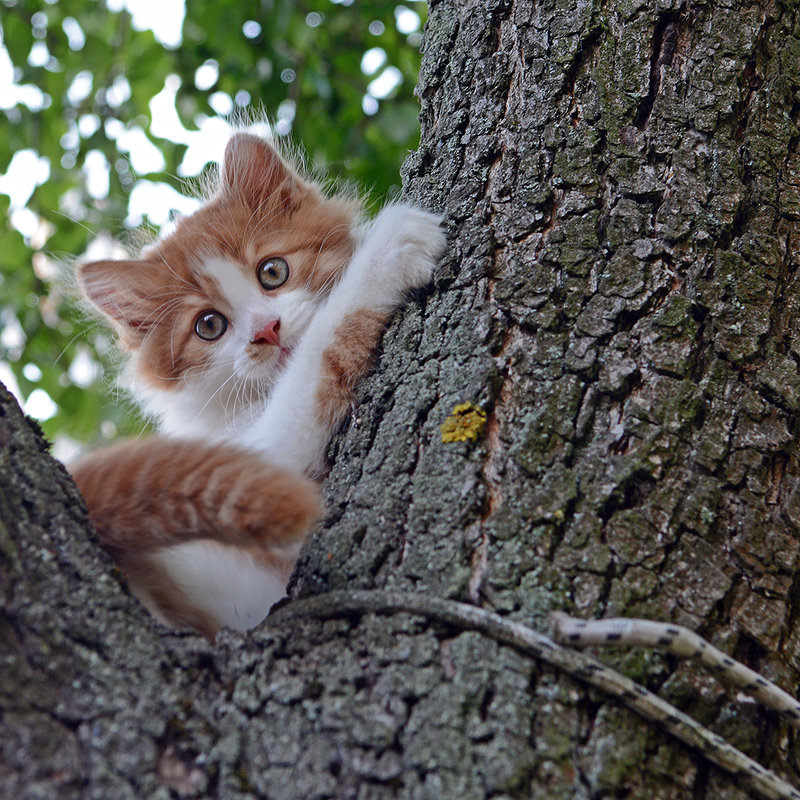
[79, 115]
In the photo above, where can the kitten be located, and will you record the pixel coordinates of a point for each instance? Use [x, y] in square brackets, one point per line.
[247, 329]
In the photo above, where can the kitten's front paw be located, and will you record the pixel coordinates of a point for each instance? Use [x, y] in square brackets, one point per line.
[403, 246]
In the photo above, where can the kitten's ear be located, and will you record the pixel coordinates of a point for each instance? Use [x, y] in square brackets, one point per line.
[255, 171]
[128, 293]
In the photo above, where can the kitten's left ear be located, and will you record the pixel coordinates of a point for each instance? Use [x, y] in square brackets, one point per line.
[128, 293]
[254, 170]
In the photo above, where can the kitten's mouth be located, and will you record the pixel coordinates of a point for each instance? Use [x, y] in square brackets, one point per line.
[269, 357]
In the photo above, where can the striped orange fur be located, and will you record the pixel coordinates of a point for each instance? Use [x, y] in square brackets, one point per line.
[148, 494]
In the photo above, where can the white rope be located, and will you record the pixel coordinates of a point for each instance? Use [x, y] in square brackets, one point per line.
[681, 642]
[580, 666]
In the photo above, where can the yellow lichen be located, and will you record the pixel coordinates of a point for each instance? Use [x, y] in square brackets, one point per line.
[465, 423]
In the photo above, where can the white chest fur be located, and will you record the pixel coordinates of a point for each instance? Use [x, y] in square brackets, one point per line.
[225, 582]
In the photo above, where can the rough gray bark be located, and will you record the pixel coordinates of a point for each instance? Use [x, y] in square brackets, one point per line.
[621, 295]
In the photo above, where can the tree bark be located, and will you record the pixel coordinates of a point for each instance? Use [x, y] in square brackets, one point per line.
[620, 295]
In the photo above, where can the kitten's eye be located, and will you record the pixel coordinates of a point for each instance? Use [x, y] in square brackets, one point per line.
[272, 272]
[210, 325]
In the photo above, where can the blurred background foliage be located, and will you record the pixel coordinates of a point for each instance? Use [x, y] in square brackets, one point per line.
[109, 109]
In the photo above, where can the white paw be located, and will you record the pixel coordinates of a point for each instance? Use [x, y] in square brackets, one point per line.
[398, 252]
[409, 243]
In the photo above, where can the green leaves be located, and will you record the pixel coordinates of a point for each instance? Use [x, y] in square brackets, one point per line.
[83, 81]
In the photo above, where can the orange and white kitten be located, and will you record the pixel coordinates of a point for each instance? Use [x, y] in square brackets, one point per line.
[248, 328]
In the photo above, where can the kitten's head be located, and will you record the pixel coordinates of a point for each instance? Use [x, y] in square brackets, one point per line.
[215, 307]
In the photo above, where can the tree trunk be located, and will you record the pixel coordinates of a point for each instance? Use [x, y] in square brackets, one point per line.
[620, 296]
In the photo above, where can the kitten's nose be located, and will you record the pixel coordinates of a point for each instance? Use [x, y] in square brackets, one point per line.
[269, 333]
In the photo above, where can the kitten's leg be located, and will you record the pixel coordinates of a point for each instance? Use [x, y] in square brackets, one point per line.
[314, 391]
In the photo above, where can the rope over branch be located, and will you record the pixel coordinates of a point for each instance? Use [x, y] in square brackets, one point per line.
[576, 664]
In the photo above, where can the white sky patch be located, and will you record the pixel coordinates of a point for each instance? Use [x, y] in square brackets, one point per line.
[203, 145]
[113, 127]
[285, 117]
[157, 201]
[9, 380]
[118, 92]
[12, 337]
[32, 372]
[26, 171]
[103, 248]
[108, 429]
[39, 55]
[96, 171]
[80, 88]
[206, 75]
[40, 405]
[88, 125]
[163, 17]
[71, 138]
[75, 35]
[165, 120]
[67, 449]
[144, 156]
[385, 83]
[406, 20]
[221, 102]
[25, 221]
[12, 92]
[372, 60]
[251, 29]
[84, 369]
[369, 105]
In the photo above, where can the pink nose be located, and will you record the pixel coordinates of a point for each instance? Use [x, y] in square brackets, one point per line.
[269, 333]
